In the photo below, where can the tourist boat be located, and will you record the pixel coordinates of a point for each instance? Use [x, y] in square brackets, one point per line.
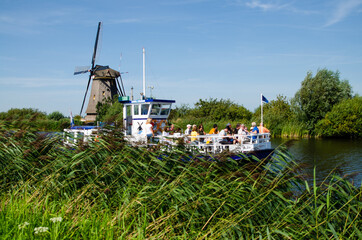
[136, 113]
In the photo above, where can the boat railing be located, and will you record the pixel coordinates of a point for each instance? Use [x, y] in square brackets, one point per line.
[72, 137]
[215, 143]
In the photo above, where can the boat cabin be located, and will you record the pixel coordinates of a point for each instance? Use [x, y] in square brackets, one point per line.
[136, 113]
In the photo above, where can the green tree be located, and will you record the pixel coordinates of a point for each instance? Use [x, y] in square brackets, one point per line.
[55, 116]
[276, 113]
[345, 120]
[17, 114]
[214, 109]
[179, 112]
[318, 94]
[108, 111]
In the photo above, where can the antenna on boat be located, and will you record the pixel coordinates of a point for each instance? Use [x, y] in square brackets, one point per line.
[132, 93]
[144, 73]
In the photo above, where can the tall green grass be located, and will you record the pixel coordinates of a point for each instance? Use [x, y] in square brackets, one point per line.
[108, 190]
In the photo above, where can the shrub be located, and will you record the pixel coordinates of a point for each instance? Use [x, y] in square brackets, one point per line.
[345, 120]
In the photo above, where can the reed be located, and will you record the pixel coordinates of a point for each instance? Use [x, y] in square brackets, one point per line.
[109, 190]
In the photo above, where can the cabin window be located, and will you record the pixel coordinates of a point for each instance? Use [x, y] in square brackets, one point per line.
[136, 110]
[165, 109]
[155, 109]
[144, 109]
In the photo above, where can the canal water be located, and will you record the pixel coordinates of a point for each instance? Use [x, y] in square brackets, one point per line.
[326, 155]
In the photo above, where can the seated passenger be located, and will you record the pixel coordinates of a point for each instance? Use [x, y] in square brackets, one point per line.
[222, 139]
[255, 130]
[229, 128]
[193, 134]
[222, 133]
[242, 132]
[188, 129]
[177, 133]
[237, 128]
[214, 130]
[172, 129]
[149, 129]
[263, 129]
[201, 131]
[165, 132]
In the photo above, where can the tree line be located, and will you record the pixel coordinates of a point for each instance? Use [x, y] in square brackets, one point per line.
[324, 106]
[33, 119]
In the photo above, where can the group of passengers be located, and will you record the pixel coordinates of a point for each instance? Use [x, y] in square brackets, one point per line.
[227, 135]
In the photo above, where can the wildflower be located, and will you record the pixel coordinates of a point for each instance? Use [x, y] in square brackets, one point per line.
[21, 226]
[56, 219]
[38, 230]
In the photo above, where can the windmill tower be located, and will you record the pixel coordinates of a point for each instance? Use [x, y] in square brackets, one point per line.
[105, 83]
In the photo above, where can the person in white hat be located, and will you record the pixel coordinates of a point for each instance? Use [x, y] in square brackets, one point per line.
[188, 129]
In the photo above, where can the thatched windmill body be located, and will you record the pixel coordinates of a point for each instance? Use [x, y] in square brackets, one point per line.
[105, 84]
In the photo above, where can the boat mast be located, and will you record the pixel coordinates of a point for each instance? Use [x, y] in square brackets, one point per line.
[144, 73]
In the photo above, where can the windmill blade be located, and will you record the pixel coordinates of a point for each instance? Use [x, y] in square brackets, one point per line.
[119, 89]
[81, 69]
[120, 77]
[96, 45]
[85, 95]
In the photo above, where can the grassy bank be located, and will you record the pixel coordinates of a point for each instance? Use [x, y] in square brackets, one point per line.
[110, 190]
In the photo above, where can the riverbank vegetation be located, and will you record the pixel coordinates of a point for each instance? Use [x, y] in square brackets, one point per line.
[322, 107]
[33, 119]
[108, 190]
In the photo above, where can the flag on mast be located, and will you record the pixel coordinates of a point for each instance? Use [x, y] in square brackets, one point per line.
[263, 100]
[71, 119]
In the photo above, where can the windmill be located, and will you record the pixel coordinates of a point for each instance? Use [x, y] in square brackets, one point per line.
[105, 83]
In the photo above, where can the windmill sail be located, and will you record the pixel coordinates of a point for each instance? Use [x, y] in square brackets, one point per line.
[104, 82]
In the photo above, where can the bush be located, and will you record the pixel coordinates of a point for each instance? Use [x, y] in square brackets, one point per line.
[318, 94]
[345, 120]
[276, 114]
[55, 116]
[209, 112]
[22, 114]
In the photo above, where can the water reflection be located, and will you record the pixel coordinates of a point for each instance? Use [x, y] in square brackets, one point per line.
[326, 155]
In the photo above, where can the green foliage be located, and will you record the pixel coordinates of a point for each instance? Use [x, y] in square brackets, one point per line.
[318, 94]
[56, 116]
[276, 114]
[16, 114]
[109, 111]
[179, 112]
[217, 110]
[109, 190]
[33, 119]
[345, 119]
[208, 112]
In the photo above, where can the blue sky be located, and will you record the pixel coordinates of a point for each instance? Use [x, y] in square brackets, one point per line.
[195, 49]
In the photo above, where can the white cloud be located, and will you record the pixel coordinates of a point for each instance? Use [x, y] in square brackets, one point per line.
[273, 5]
[266, 5]
[342, 10]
